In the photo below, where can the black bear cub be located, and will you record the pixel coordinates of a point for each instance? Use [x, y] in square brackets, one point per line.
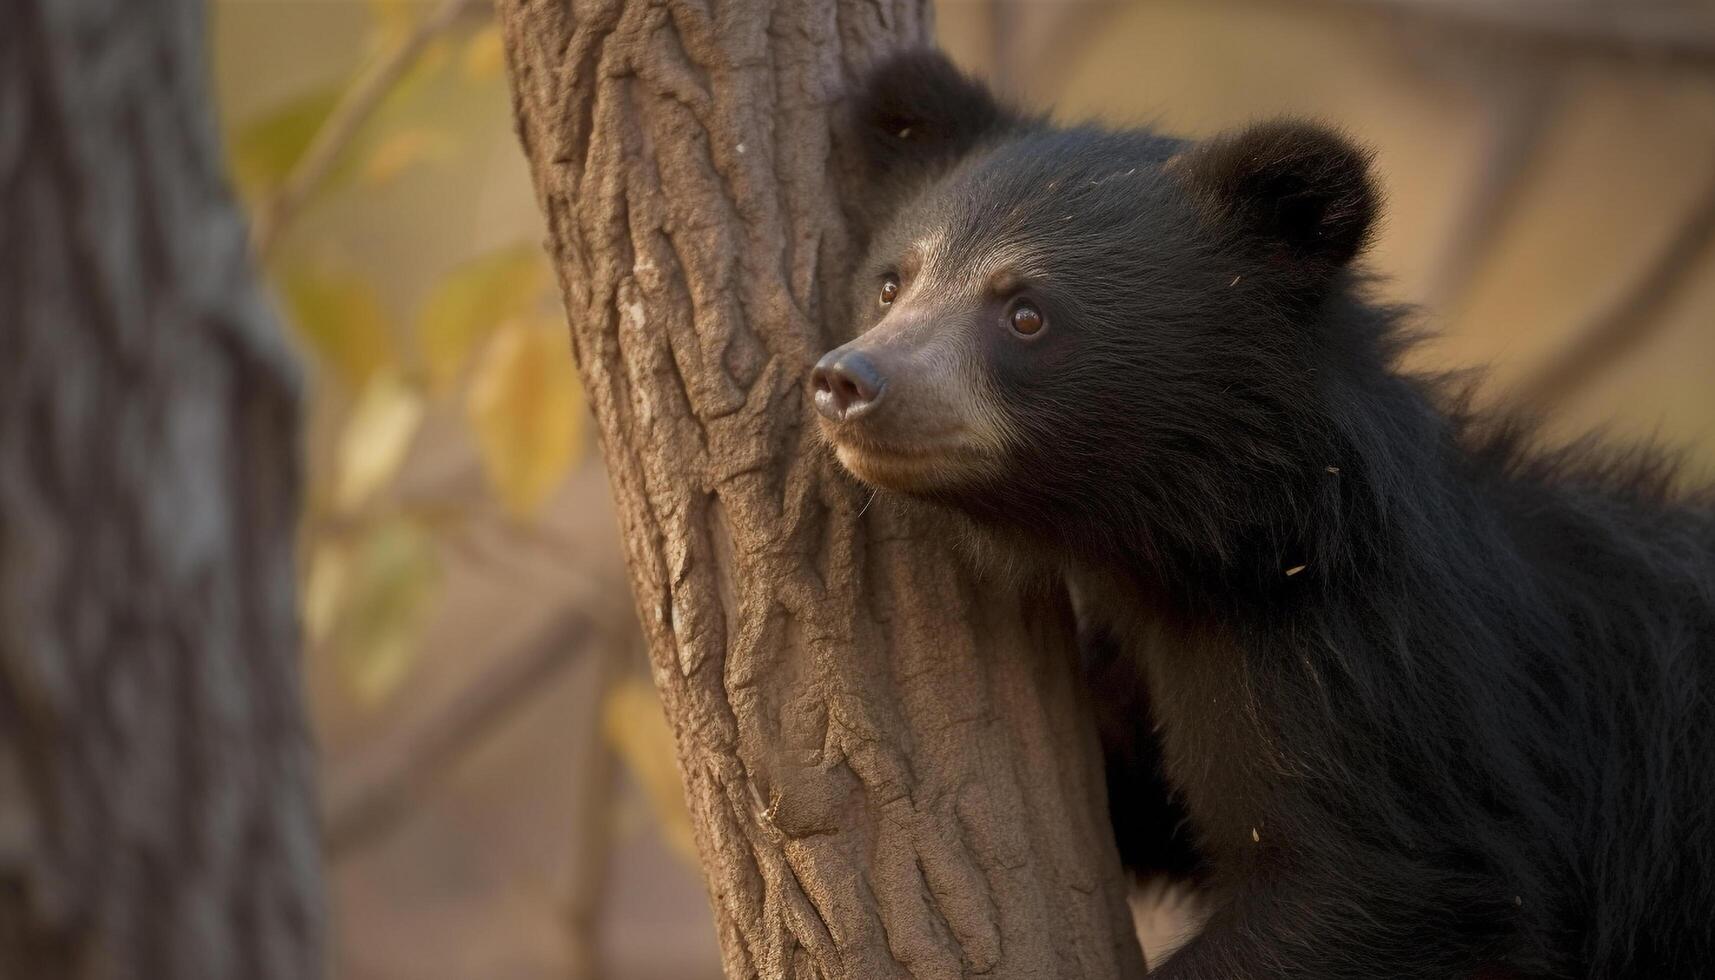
[1434, 703]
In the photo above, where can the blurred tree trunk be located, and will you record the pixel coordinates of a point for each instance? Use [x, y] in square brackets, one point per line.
[892, 769]
[156, 810]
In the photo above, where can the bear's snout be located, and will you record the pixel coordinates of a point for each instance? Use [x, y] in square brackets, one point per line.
[847, 384]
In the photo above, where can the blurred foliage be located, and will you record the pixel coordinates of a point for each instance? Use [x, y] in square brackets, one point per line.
[339, 318]
[634, 725]
[466, 307]
[484, 55]
[393, 19]
[388, 580]
[265, 148]
[524, 408]
[398, 151]
[372, 446]
[485, 348]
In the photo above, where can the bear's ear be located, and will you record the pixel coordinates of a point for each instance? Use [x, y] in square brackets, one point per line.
[1301, 187]
[915, 113]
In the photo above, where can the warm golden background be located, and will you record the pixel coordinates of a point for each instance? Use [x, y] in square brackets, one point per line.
[499, 784]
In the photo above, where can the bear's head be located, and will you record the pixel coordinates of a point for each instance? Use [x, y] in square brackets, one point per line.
[1084, 331]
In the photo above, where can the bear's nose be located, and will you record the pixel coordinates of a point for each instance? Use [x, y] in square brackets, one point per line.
[847, 384]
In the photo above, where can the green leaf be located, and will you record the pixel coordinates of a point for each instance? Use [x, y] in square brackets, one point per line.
[429, 67]
[339, 317]
[471, 303]
[392, 581]
[267, 146]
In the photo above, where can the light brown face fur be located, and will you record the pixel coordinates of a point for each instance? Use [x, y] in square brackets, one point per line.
[936, 424]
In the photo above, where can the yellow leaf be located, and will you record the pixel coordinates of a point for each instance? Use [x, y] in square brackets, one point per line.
[324, 590]
[266, 146]
[373, 443]
[392, 583]
[399, 151]
[484, 55]
[527, 411]
[474, 299]
[634, 726]
[340, 318]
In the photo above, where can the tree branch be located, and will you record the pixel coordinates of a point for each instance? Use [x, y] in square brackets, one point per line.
[354, 108]
[1517, 132]
[1678, 34]
[592, 826]
[366, 810]
[1634, 318]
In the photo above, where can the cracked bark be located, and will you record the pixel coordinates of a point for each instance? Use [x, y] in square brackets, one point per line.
[891, 768]
[156, 811]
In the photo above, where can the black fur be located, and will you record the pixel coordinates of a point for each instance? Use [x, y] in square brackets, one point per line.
[1438, 704]
[1153, 831]
[1294, 187]
[920, 115]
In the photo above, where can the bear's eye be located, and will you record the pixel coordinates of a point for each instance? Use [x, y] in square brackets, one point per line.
[889, 289]
[1027, 320]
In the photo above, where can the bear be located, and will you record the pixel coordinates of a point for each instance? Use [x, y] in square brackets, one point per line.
[1416, 694]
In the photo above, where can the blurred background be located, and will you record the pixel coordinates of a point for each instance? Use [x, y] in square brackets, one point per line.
[498, 781]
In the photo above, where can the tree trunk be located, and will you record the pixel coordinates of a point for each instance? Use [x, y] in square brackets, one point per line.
[156, 810]
[891, 767]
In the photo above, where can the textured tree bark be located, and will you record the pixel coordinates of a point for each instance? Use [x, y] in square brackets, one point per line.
[156, 810]
[892, 768]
